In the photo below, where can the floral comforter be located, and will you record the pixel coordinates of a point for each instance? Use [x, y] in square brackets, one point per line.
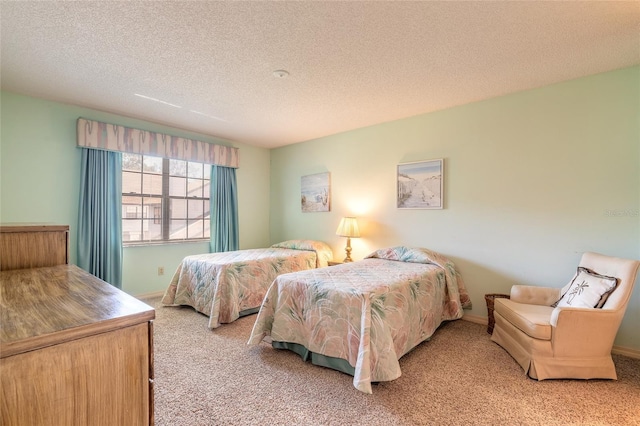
[369, 313]
[227, 285]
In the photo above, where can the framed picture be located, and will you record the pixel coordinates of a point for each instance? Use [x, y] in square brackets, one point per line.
[315, 193]
[420, 185]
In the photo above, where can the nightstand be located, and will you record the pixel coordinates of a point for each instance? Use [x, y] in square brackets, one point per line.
[334, 263]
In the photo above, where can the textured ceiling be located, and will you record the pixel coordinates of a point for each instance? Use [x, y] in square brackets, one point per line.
[351, 64]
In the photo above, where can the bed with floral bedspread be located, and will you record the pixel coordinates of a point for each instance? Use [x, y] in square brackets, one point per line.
[361, 317]
[228, 285]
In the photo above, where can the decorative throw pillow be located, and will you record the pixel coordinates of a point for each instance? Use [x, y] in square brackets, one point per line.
[564, 289]
[587, 290]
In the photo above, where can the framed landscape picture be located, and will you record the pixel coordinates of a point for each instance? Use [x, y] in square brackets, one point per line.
[315, 193]
[420, 185]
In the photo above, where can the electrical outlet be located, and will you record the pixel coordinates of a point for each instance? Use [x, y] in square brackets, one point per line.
[160, 270]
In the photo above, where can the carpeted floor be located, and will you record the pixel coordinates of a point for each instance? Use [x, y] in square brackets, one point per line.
[211, 377]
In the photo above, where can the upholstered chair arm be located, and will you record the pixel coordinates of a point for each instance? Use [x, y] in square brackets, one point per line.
[584, 332]
[533, 295]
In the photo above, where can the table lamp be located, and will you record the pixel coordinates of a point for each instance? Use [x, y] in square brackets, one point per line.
[348, 228]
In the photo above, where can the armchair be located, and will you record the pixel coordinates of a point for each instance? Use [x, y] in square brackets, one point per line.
[565, 342]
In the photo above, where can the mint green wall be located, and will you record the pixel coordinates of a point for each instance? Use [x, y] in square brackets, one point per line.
[40, 168]
[532, 180]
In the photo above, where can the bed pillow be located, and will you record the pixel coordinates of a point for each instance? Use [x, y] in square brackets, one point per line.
[409, 254]
[323, 251]
[587, 290]
[429, 257]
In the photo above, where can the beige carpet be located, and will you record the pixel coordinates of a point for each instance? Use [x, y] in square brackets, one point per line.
[210, 377]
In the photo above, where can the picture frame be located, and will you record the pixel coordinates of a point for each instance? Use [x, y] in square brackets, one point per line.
[420, 185]
[315, 193]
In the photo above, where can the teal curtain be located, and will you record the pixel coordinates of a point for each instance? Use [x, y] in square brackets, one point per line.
[100, 215]
[224, 210]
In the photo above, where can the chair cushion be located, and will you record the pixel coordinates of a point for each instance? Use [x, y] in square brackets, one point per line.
[587, 289]
[532, 320]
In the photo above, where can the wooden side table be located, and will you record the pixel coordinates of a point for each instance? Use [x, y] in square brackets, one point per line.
[334, 263]
[490, 298]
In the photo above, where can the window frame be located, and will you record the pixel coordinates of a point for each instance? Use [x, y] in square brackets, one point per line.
[165, 203]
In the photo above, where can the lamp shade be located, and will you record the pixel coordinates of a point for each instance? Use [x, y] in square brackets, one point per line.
[348, 228]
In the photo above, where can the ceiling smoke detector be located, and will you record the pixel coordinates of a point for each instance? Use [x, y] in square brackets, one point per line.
[281, 73]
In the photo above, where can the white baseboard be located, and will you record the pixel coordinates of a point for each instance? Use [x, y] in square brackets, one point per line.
[475, 319]
[631, 353]
[150, 295]
[618, 350]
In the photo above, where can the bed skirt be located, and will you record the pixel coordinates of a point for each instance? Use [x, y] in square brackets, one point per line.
[250, 311]
[338, 364]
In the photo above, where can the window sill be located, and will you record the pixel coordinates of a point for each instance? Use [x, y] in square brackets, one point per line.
[162, 243]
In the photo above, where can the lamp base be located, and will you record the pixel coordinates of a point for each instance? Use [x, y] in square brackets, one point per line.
[348, 251]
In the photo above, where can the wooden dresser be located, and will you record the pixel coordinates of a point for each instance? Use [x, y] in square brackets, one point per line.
[31, 245]
[74, 350]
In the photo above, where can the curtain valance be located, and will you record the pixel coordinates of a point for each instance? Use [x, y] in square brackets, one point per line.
[111, 137]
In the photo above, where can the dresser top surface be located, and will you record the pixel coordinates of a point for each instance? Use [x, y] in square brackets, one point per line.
[32, 227]
[40, 305]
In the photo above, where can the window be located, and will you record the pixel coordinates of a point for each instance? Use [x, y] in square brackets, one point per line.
[164, 200]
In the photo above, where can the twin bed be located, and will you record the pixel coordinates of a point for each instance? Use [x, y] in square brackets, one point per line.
[359, 318]
[225, 286]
